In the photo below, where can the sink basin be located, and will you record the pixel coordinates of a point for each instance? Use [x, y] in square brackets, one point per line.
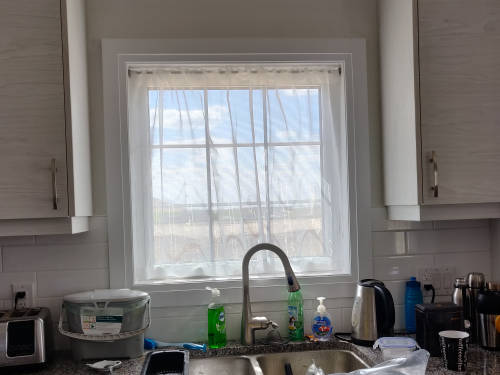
[330, 361]
[221, 366]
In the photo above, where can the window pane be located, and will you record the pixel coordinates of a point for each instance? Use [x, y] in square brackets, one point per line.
[182, 117]
[295, 194]
[238, 182]
[232, 113]
[180, 207]
[293, 115]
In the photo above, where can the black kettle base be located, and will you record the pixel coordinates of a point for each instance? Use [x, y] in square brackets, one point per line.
[362, 342]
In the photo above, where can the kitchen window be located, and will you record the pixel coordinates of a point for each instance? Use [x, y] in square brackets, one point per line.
[213, 145]
[225, 156]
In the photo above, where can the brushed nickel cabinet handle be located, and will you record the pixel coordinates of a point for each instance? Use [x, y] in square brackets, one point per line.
[54, 184]
[435, 187]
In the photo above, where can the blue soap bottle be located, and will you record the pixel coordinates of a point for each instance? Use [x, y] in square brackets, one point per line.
[322, 322]
[413, 296]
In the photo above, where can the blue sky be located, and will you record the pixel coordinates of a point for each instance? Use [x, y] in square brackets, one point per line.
[292, 116]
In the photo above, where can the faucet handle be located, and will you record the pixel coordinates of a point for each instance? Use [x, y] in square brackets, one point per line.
[261, 322]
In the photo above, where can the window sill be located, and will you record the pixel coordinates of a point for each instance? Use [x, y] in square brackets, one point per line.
[261, 290]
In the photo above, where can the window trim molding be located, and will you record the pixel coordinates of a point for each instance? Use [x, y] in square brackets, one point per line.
[118, 53]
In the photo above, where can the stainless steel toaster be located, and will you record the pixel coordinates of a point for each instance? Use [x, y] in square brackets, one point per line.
[25, 336]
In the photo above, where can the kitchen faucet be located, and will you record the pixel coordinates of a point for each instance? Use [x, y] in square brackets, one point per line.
[249, 323]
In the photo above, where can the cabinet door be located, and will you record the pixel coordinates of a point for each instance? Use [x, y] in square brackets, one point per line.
[459, 57]
[32, 122]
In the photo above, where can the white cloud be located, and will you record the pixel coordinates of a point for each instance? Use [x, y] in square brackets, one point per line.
[294, 92]
[172, 117]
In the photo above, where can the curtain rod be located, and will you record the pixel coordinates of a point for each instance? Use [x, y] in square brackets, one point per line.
[233, 70]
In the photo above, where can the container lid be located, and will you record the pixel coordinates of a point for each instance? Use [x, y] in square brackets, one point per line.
[370, 283]
[413, 283]
[107, 295]
[395, 343]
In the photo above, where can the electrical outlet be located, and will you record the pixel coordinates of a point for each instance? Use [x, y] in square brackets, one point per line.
[430, 275]
[441, 279]
[27, 301]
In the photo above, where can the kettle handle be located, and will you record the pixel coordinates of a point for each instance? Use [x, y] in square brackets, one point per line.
[388, 303]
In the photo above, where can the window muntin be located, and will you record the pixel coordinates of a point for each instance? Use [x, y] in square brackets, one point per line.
[237, 164]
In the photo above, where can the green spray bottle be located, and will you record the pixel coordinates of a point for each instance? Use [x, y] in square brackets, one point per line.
[216, 321]
[295, 315]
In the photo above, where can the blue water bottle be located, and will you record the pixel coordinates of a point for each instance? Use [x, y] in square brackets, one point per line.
[413, 296]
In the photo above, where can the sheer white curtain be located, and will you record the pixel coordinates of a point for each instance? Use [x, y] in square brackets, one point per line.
[226, 156]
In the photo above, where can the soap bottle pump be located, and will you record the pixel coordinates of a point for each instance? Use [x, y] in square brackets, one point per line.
[216, 321]
[322, 322]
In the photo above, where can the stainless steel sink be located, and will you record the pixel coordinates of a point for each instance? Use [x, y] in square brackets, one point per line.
[330, 361]
[222, 366]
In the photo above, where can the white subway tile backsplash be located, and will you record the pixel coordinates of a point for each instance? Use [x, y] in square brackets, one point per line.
[399, 322]
[449, 240]
[60, 283]
[400, 268]
[388, 243]
[64, 264]
[54, 257]
[397, 289]
[96, 234]
[466, 262]
[54, 304]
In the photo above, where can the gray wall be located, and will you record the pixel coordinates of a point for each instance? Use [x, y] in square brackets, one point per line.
[228, 19]
[495, 249]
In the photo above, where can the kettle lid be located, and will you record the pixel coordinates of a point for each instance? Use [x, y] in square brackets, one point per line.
[370, 283]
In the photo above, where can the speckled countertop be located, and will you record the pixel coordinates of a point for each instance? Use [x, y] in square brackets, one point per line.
[480, 361]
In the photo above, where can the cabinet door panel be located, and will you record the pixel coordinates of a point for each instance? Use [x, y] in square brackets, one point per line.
[459, 57]
[32, 122]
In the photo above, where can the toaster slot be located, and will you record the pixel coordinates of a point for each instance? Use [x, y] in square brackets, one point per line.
[33, 312]
[17, 313]
[20, 338]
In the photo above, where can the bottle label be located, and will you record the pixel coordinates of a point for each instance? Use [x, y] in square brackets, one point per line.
[221, 323]
[322, 326]
[293, 316]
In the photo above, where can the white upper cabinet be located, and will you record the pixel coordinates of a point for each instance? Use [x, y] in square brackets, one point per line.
[44, 140]
[440, 83]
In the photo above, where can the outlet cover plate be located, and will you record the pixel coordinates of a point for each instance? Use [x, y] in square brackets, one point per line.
[27, 301]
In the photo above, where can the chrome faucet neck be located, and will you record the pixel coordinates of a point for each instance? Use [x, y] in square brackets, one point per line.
[248, 323]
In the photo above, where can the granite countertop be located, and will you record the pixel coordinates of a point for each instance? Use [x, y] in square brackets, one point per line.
[480, 361]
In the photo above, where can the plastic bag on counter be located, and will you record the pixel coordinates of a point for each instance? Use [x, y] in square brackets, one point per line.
[314, 370]
[414, 364]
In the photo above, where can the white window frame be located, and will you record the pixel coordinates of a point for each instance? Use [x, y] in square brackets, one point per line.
[118, 54]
